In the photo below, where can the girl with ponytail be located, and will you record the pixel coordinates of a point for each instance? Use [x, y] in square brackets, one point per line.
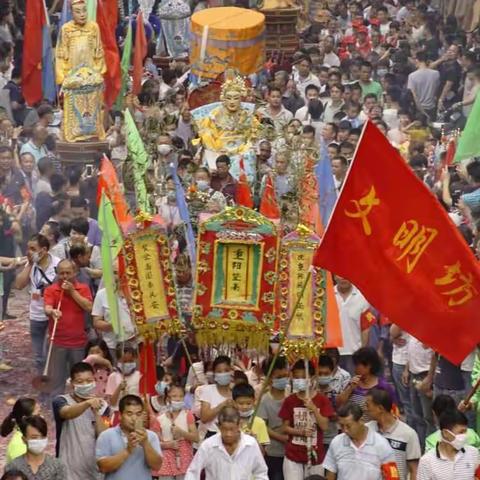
[24, 407]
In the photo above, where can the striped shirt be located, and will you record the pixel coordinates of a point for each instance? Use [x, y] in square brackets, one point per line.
[435, 466]
[404, 442]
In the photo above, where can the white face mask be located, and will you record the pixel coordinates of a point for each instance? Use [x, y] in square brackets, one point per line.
[37, 445]
[203, 185]
[85, 390]
[458, 442]
[164, 149]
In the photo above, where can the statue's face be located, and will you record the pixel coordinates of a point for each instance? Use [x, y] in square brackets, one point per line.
[79, 13]
[232, 101]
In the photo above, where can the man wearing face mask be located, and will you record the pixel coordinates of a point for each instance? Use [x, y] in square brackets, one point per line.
[330, 388]
[164, 150]
[34, 431]
[452, 459]
[269, 408]
[78, 418]
[39, 273]
[304, 421]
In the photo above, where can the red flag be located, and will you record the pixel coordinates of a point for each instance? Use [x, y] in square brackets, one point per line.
[113, 78]
[390, 237]
[108, 182]
[32, 51]
[148, 369]
[243, 194]
[139, 54]
[268, 204]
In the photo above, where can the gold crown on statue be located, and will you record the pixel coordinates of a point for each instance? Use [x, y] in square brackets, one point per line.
[234, 84]
[77, 2]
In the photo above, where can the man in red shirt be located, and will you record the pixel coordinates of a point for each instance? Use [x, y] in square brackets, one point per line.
[70, 336]
[304, 421]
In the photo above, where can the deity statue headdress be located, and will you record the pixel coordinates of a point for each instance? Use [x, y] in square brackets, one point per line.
[77, 2]
[234, 84]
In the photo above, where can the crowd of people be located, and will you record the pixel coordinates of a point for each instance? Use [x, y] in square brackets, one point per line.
[382, 406]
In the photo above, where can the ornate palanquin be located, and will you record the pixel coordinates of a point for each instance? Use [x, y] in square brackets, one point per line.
[152, 296]
[236, 279]
[304, 335]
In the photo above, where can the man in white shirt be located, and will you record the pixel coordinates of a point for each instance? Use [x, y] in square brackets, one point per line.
[312, 92]
[351, 304]
[359, 453]
[402, 438]
[415, 375]
[452, 458]
[230, 454]
[39, 273]
[339, 171]
[275, 110]
[330, 58]
[305, 77]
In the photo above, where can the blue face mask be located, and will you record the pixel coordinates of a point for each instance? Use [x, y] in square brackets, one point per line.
[323, 381]
[223, 379]
[177, 406]
[299, 384]
[160, 388]
[127, 368]
[280, 383]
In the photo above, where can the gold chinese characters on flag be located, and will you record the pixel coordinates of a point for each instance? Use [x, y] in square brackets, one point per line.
[236, 276]
[304, 335]
[391, 237]
[152, 295]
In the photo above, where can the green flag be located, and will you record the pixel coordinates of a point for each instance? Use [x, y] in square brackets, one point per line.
[139, 158]
[469, 141]
[124, 66]
[92, 10]
[112, 242]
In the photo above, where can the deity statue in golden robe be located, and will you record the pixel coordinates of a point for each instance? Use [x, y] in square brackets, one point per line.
[230, 129]
[80, 65]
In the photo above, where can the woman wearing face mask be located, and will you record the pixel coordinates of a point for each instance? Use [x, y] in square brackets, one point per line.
[178, 434]
[35, 463]
[214, 397]
[23, 408]
[452, 458]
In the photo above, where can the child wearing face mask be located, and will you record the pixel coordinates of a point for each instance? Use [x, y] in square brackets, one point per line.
[304, 421]
[178, 433]
[158, 402]
[125, 379]
[24, 407]
[98, 356]
[244, 397]
[34, 432]
[268, 410]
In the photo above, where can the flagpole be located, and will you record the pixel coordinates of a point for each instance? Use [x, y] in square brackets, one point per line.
[344, 182]
[110, 261]
[282, 339]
